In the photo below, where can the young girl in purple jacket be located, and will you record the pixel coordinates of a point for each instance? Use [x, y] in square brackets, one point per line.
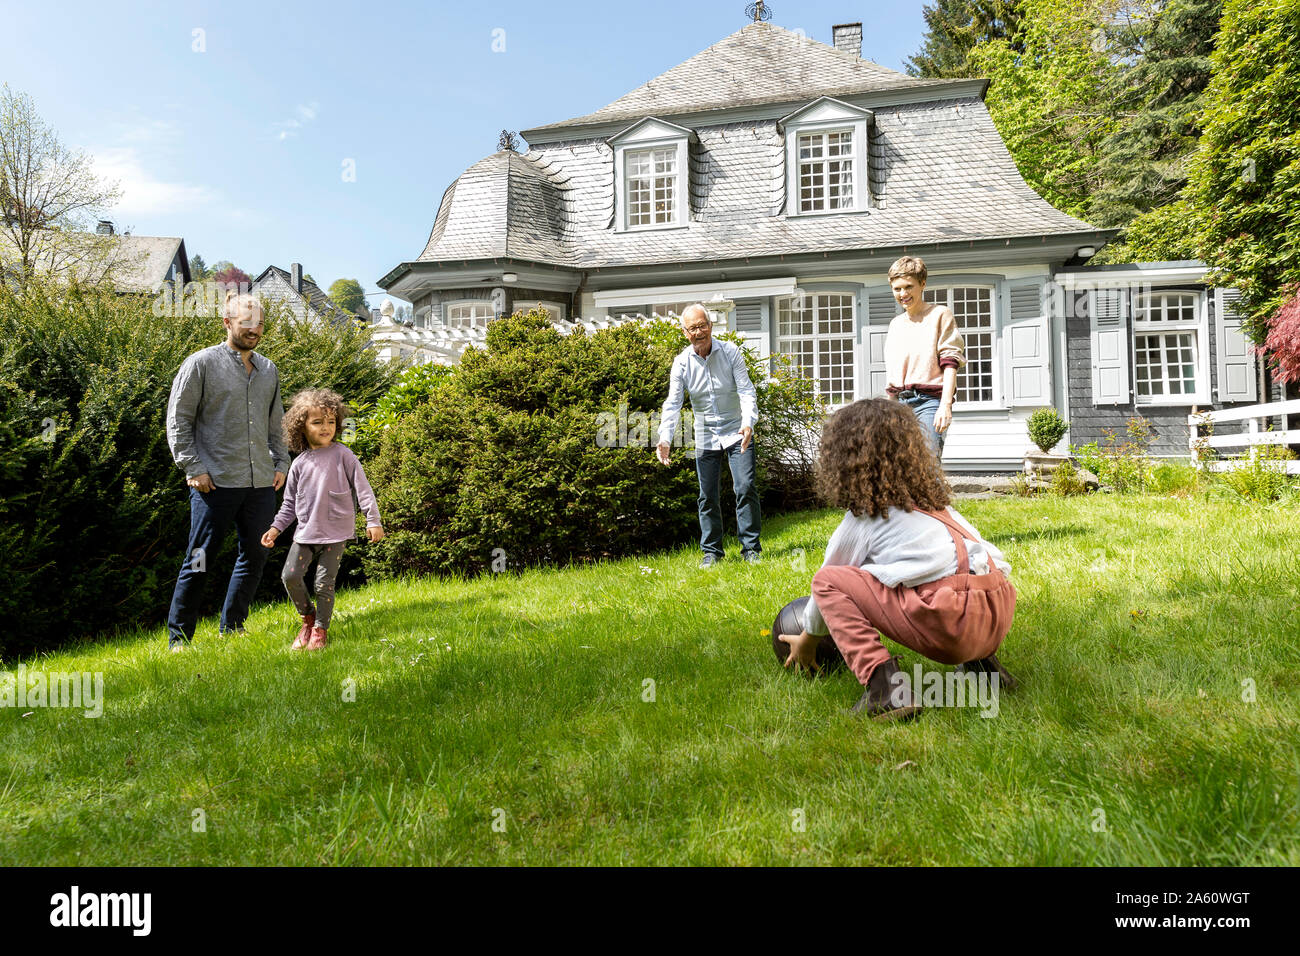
[324, 482]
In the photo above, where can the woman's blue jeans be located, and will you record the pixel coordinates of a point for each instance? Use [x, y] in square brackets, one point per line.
[925, 408]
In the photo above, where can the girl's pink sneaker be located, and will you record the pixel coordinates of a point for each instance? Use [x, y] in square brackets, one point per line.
[304, 633]
[318, 638]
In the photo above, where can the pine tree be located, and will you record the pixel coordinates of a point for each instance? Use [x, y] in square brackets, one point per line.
[1162, 51]
[1244, 184]
[955, 27]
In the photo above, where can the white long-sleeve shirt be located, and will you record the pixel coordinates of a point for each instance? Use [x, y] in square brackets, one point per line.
[723, 400]
[908, 548]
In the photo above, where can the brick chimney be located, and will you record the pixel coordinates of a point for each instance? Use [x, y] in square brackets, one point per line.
[295, 277]
[848, 37]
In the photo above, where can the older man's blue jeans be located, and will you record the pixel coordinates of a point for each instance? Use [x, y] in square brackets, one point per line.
[708, 467]
[251, 511]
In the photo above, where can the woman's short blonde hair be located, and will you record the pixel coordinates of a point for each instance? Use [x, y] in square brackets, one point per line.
[913, 266]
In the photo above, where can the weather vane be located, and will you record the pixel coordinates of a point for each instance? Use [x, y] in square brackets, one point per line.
[758, 10]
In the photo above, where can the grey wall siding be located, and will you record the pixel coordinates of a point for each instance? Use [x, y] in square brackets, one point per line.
[276, 289]
[1088, 421]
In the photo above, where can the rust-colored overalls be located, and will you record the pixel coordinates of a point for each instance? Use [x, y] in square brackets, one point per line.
[952, 620]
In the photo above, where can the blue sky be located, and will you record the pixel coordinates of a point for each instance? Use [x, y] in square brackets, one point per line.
[236, 137]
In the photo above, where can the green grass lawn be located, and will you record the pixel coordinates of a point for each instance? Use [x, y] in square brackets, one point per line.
[519, 702]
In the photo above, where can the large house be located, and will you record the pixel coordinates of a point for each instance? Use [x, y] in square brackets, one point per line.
[775, 178]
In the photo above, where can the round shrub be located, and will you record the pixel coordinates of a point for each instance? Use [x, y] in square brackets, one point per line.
[539, 450]
[1046, 428]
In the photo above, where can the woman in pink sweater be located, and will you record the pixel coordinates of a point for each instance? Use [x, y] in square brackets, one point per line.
[923, 351]
[324, 482]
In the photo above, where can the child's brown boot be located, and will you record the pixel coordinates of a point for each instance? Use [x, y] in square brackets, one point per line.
[991, 665]
[304, 632]
[887, 695]
[319, 638]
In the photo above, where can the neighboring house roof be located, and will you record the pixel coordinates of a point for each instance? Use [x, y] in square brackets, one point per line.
[146, 260]
[761, 63]
[132, 263]
[312, 295]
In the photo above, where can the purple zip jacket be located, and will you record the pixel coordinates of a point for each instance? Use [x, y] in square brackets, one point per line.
[318, 493]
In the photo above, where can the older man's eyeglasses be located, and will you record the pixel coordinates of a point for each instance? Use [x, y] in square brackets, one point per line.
[696, 327]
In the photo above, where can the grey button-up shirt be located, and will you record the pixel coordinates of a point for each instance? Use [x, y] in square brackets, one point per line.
[723, 400]
[224, 422]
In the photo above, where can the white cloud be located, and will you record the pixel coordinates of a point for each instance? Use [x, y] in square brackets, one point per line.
[304, 114]
[142, 192]
[150, 130]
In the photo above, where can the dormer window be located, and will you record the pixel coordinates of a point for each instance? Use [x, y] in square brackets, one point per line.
[826, 158]
[826, 170]
[651, 186]
[650, 175]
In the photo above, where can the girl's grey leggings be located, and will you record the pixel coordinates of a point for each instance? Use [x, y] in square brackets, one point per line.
[327, 557]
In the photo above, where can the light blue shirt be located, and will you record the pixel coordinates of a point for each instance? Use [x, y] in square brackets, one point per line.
[723, 400]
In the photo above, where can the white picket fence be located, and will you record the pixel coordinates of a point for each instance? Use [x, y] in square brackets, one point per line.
[1250, 439]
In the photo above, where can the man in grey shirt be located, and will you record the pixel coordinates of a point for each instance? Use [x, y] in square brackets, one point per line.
[725, 407]
[223, 426]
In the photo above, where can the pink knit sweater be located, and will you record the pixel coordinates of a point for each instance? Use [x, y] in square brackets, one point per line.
[918, 350]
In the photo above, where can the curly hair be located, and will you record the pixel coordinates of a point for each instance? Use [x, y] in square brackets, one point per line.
[874, 457]
[303, 404]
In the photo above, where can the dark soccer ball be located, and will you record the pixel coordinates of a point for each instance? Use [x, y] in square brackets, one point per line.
[789, 620]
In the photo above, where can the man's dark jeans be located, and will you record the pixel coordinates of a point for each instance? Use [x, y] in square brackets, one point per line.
[251, 511]
[708, 467]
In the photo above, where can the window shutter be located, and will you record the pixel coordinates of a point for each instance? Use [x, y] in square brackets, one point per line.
[751, 318]
[1236, 356]
[1108, 317]
[881, 309]
[1027, 346]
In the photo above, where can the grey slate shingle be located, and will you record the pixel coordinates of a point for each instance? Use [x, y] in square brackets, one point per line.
[937, 172]
[761, 63]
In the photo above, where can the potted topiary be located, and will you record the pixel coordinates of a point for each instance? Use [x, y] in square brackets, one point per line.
[1046, 428]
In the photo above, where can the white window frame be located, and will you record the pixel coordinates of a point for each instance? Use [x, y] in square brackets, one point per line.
[639, 309]
[997, 402]
[668, 183]
[646, 136]
[850, 337]
[474, 303]
[825, 161]
[1197, 327]
[823, 116]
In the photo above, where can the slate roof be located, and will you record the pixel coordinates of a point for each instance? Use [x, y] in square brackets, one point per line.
[134, 263]
[505, 205]
[938, 172]
[311, 294]
[761, 63]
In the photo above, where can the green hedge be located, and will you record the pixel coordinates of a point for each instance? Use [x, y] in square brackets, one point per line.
[94, 515]
[538, 450]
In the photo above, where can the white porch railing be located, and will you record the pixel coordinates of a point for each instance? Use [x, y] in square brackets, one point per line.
[1251, 439]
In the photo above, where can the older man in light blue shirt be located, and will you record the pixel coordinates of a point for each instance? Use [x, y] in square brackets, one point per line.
[725, 407]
